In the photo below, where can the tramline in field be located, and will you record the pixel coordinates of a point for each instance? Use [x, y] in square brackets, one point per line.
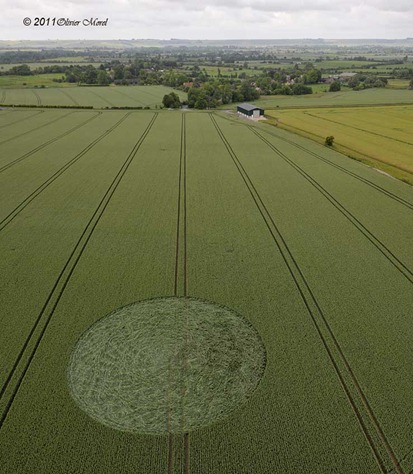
[285, 270]
[360, 132]
[87, 96]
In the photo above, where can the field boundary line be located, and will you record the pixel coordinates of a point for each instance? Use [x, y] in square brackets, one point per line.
[62, 281]
[49, 142]
[23, 119]
[9, 218]
[356, 128]
[319, 319]
[53, 121]
[388, 254]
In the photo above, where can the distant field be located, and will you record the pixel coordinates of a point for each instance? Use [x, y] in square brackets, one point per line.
[213, 71]
[98, 97]
[343, 98]
[6, 67]
[381, 135]
[317, 88]
[101, 209]
[342, 64]
[70, 59]
[398, 83]
[30, 81]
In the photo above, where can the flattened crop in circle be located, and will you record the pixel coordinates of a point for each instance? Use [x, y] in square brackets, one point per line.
[166, 365]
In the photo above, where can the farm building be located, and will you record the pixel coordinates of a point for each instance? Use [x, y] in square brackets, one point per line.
[251, 111]
[346, 76]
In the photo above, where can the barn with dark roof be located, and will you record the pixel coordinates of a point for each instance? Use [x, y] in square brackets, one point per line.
[249, 110]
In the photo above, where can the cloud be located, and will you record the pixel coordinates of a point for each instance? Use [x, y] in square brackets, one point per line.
[390, 5]
[214, 18]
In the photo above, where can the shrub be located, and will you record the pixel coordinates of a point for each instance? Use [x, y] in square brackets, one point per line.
[335, 86]
[329, 140]
[301, 89]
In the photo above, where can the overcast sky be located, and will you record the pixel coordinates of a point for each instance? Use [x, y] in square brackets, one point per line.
[211, 19]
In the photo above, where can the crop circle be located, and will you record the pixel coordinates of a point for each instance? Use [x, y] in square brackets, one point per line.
[166, 365]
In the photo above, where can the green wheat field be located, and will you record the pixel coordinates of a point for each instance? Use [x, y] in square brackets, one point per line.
[101, 209]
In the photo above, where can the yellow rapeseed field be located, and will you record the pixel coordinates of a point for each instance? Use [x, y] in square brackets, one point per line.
[380, 136]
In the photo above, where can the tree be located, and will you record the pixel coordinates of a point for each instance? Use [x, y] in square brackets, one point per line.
[201, 103]
[102, 78]
[335, 86]
[73, 74]
[22, 70]
[118, 72]
[329, 140]
[411, 85]
[313, 76]
[171, 101]
[90, 75]
[264, 83]
[354, 81]
[300, 89]
[237, 96]
[193, 93]
[248, 91]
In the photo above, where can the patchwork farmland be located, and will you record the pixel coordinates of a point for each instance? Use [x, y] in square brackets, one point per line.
[195, 213]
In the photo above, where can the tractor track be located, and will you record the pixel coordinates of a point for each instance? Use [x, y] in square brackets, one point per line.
[38, 99]
[185, 289]
[21, 120]
[49, 142]
[74, 101]
[149, 93]
[181, 219]
[181, 284]
[360, 129]
[111, 104]
[400, 266]
[388, 254]
[9, 218]
[321, 324]
[7, 112]
[402, 460]
[366, 181]
[124, 94]
[53, 121]
[62, 281]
